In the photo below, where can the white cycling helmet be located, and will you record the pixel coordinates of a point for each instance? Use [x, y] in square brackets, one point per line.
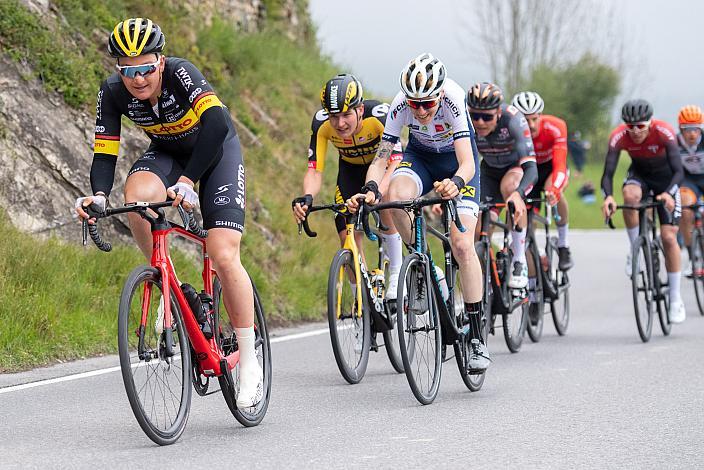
[423, 77]
[528, 102]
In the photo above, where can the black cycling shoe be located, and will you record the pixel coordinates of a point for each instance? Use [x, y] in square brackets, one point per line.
[533, 314]
[563, 253]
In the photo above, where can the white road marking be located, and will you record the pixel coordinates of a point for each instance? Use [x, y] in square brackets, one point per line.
[94, 373]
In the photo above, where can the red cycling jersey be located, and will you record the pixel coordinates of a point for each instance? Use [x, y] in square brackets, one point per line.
[551, 144]
[656, 158]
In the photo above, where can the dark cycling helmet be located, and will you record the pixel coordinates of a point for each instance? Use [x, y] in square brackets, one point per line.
[341, 93]
[636, 111]
[484, 95]
[134, 37]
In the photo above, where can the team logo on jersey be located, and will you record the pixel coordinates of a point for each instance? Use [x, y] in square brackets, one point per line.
[504, 133]
[439, 128]
[653, 148]
[468, 191]
[221, 201]
[406, 164]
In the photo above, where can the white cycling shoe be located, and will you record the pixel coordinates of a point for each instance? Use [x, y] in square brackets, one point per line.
[519, 276]
[251, 388]
[677, 312]
[392, 286]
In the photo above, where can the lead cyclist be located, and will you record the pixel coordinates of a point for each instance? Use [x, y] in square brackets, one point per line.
[441, 155]
[192, 139]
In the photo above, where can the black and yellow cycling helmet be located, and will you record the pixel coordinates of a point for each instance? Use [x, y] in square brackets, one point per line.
[134, 37]
[341, 93]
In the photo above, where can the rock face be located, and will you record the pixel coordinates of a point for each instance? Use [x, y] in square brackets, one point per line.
[46, 148]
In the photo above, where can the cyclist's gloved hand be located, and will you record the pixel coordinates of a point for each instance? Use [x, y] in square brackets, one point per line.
[300, 206]
[371, 187]
[184, 193]
[668, 200]
[99, 202]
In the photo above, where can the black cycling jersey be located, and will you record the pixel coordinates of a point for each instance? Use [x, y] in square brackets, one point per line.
[188, 123]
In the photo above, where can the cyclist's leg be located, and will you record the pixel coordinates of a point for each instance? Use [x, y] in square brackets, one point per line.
[410, 180]
[689, 192]
[222, 196]
[147, 181]
[490, 183]
[519, 273]
[350, 179]
[634, 188]
[669, 225]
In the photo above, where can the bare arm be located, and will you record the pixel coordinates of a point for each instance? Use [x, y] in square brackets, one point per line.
[381, 160]
[312, 182]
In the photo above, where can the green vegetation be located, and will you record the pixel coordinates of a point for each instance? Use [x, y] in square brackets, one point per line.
[269, 81]
[59, 301]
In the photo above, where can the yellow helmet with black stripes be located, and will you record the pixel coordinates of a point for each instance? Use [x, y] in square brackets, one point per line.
[341, 93]
[134, 37]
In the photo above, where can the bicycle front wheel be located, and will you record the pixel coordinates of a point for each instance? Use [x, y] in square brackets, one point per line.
[642, 286]
[660, 286]
[560, 306]
[697, 260]
[155, 363]
[536, 308]
[418, 319]
[227, 340]
[350, 334]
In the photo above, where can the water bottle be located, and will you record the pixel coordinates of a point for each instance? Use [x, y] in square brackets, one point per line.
[377, 282]
[443, 283]
[200, 311]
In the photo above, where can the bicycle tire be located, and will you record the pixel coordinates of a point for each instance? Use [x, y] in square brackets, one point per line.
[559, 307]
[514, 321]
[346, 326]
[143, 397]
[391, 343]
[535, 332]
[247, 417]
[660, 283]
[697, 260]
[473, 382]
[641, 284]
[390, 336]
[487, 288]
[423, 327]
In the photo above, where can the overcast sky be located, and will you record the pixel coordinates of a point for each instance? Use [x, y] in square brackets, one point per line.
[376, 38]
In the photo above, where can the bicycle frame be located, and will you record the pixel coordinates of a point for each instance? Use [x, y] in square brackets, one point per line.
[209, 355]
[207, 352]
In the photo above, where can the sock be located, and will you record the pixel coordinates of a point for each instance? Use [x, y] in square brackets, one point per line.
[518, 245]
[392, 245]
[249, 366]
[474, 311]
[562, 241]
[632, 234]
[531, 289]
[673, 279]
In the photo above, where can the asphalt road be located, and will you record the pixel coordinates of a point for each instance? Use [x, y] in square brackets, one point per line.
[596, 397]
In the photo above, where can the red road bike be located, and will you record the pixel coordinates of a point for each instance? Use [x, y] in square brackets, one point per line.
[164, 349]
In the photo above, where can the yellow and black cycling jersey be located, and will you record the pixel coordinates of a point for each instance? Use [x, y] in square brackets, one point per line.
[359, 149]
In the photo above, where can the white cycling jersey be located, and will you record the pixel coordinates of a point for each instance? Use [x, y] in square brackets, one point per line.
[450, 123]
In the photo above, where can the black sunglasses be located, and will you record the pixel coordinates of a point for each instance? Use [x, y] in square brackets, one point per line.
[482, 116]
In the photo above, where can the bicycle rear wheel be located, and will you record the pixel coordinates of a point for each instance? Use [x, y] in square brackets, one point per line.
[350, 334]
[157, 381]
[642, 287]
[418, 317]
[227, 340]
[559, 307]
[536, 307]
[660, 285]
[697, 260]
